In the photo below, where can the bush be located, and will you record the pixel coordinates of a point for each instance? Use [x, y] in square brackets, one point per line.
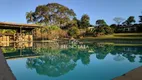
[103, 31]
[100, 30]
[10, 31]
[73, 32]
[108, 30]
[56, 34]
[53, 28]
[49, 33]
[114, 27]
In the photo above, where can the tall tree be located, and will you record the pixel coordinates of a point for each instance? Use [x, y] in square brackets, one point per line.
[129, 21]
[101, 22]
[85, 21]
[72, 23]
[78, 22]
[118, 20]
[140, 17]
[53, 14]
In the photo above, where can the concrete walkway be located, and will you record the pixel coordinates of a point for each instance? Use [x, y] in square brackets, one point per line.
[135, 74]
[5, 72]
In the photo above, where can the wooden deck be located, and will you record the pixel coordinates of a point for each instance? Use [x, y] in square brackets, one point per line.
[135, 74]
[5, 71]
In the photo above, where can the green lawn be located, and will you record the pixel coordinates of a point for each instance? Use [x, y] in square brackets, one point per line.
[128, 35]
[120, 37]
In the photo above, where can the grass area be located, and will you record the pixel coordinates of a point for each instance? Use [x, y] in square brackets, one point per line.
[128, 35]
[128, 39]
[119, 36]
[123, 35]
[115, 44]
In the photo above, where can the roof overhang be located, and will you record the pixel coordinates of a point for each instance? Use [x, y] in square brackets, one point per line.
[6, 25]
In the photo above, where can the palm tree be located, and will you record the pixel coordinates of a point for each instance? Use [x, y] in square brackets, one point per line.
[30, 17]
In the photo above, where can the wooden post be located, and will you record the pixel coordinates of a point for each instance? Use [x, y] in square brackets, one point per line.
[33, 35]
[42, 33]
[20, 30]
[14, 37]
[6, 39]
[20, 36]
[2, 38]
[20, 51]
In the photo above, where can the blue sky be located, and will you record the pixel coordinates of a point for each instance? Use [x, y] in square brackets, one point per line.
[14, 10]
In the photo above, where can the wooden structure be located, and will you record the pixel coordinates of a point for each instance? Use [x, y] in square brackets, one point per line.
[20, 35]
[131, 28]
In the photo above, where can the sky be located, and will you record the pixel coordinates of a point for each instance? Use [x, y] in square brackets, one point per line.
[15, 10]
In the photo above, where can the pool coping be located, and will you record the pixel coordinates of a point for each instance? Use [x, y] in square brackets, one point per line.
[5, 71]
[134, 74]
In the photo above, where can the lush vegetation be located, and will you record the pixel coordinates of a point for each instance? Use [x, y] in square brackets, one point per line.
[49, 32]
[8, 31]
[74, 32]
[60, 21]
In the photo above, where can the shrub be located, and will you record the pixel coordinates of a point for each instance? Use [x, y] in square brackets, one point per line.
[73, 32]
[56, 34]
[103, 31]
[53, 28]
[49, 33]
[108, 30]
[10, 31]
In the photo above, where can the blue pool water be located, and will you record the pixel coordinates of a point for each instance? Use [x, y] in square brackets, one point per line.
[73, 62]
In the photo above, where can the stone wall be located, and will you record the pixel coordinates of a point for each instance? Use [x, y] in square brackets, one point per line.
[5, 38]
[17, 38]
[23, 37]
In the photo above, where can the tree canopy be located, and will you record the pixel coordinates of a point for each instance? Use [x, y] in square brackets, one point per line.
[140, 17]
[30, 17]
[74, 32]
[55, 14]
[129, 21]
[101, 22]
[118, 20]
[85, 21]
[51, 14]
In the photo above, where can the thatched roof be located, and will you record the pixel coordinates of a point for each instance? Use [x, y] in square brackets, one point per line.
[15, 25]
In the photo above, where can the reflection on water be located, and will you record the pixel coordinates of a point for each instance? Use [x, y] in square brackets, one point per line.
[16, 44]
[58, 60]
